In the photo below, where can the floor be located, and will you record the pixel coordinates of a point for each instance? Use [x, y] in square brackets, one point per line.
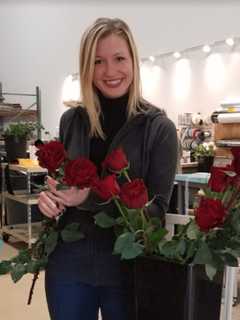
[13, 300]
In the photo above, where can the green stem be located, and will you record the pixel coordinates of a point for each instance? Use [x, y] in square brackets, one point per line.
[126, 175]
[144, 220]
[123, 215]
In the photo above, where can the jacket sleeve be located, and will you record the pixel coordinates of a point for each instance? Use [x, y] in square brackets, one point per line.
[162, 167]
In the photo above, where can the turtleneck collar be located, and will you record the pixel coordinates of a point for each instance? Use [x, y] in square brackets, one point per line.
[113, 104]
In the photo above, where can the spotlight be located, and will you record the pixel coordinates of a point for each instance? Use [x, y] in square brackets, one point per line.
[206, 48]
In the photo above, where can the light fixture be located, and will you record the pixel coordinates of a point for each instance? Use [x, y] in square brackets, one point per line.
[152, 58]
[206, 48]
[229, 42]
[177, 54]
[71, 90]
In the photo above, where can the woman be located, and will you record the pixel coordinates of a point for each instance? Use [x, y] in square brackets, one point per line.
[83, 277]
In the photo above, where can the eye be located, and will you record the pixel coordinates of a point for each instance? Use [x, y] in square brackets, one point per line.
[98, 61]
[120, 58]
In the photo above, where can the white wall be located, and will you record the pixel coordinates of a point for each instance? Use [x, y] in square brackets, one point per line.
[39, 42]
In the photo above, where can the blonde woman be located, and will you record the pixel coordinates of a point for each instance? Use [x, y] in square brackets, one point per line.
[83, 277]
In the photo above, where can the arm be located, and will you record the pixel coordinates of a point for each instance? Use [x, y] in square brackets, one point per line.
[162, 168]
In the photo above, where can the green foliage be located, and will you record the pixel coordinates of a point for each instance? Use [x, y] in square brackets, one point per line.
[22, 129]
[203, 150]
[33, 260]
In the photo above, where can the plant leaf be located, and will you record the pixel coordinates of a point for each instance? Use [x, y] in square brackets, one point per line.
[5, 267]
[127, 247]
[104, 221]
[51, 242]
[193, 231]
[210, 271]
[72, 233]
[203, 255]
[18, 271]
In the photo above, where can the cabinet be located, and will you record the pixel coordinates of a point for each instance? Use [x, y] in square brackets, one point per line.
[26, 232]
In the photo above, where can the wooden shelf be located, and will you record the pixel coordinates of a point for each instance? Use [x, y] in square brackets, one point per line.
[20, 231]
[28, 199]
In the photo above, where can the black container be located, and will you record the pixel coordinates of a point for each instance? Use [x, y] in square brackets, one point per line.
[165, 290]
[205, 164]
[16, 147]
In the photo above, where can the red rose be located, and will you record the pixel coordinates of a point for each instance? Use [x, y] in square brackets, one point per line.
[236, 159]
[106, 188]
[51, 155]
[80, 172]
[116, 160]
[210, 214]
[218, 180]
[134, 194]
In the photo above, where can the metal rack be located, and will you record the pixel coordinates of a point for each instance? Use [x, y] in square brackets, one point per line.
[24, 232]
[23, 113]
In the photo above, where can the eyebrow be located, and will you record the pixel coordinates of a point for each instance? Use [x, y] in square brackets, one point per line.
[115, 54]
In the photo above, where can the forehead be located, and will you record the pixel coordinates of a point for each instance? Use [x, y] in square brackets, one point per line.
[112, 44]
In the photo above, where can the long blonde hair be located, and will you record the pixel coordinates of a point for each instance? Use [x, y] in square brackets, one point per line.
[101, 28]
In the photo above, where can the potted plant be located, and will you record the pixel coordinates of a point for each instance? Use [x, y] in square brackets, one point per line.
[16, 136]
[204, 154]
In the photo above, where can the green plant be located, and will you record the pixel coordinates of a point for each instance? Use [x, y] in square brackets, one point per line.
[204, 150]
[22, 129]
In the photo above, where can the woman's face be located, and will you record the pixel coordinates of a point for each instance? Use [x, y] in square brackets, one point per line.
[113, 71]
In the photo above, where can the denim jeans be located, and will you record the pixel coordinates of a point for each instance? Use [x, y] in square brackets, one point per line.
[68, 300]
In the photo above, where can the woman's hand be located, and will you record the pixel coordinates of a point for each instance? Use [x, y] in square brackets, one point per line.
[51, 203]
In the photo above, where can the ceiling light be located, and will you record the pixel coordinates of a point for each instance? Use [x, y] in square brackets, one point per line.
[177, 55]
[152, 58]
[206, 48]
[229, 42]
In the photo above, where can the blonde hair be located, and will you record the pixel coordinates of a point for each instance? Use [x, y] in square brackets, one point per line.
[101, 28]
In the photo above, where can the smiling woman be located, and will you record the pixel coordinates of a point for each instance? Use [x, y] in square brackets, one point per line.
[113, 71]
[112, 114]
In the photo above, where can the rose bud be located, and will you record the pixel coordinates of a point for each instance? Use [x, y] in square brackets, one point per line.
[115, 161]
[107, 187]
[80, 172]
[134, 194]
[51, 155]
[210, 214]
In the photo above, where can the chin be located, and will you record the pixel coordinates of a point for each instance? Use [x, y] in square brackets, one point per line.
[114, 94]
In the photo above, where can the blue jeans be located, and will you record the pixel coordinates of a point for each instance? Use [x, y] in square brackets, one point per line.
[78, 301]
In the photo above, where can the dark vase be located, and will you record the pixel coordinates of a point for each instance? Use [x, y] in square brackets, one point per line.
[205, 163]
[16, 147]
[165, 290]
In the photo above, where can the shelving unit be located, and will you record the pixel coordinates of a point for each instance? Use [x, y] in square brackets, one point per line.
[14, 112]
[24, 232]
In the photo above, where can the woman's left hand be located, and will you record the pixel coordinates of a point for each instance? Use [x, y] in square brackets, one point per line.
[71, 197]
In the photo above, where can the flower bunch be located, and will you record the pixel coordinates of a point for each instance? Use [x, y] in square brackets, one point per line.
[205, 149]
[213, 237]
[137, 232]
[80, 173]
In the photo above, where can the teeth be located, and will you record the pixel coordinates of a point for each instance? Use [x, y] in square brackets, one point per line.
[113, 82]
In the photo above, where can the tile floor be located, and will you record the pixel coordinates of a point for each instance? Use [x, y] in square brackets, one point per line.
[13, 297]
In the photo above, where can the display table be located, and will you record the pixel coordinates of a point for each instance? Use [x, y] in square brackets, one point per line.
[185, 181]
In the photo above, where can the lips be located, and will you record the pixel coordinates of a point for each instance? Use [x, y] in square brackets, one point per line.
[113, 83]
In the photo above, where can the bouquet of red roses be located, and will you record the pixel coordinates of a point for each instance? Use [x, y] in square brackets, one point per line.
[213, 237]
[138, 232]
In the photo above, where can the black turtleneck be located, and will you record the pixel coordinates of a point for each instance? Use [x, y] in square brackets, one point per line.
[113, 117]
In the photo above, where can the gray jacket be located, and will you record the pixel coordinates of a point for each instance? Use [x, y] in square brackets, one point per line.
[150, 142]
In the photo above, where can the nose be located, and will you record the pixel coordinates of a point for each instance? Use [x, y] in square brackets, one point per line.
[110, 69]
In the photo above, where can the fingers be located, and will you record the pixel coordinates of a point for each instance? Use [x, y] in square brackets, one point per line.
[48, 206]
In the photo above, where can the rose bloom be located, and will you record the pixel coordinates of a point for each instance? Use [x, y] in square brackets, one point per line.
[134, 194]
[80, 172]
[236, 159]
[210, 214]
[107, 187]
[51, 155]
[218, 180]
[115, 161]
